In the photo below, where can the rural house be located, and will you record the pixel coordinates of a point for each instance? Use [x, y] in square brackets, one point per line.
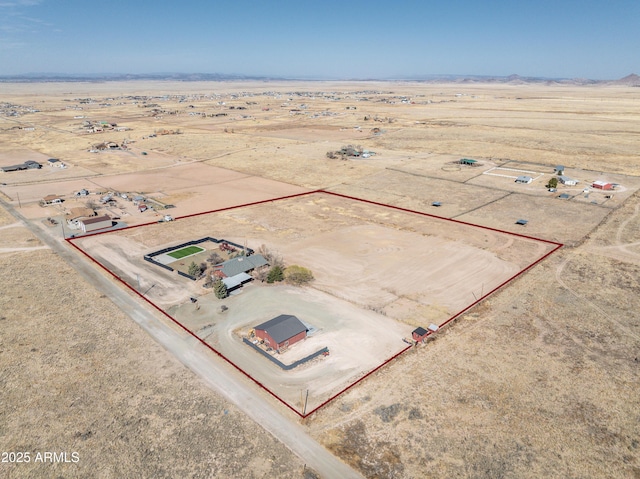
[565, 180]
[51, 200]
[524, 179]
[242, 264]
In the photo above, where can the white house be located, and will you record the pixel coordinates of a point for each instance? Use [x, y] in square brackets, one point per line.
[565, 180]
[524, 179]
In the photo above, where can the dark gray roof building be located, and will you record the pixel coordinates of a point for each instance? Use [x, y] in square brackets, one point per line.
[242, 264]
[19, 167]
[283, 327]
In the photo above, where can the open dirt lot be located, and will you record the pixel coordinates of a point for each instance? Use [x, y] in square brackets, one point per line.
[338, 326]
[539, 381]
[408, 267]
[375, 257]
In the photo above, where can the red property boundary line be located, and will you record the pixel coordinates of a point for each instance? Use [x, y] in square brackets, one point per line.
[71, 241]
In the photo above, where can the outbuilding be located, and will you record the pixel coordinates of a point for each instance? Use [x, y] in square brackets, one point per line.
[565, 180]
[602, 185]
[281, 331]
[419, 334]
[19, 167]
[94, 224]
[524, 179]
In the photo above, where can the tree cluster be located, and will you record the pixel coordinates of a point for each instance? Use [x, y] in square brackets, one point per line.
[553, 182]
[196, 270]
[349, 151]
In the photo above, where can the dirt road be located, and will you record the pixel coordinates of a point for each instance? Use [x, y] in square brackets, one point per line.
[216, 374]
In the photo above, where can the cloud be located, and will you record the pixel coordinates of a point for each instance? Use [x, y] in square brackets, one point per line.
[14, 21]
[20, 3]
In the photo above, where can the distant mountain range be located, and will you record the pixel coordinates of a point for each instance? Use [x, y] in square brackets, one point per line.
[630, 80]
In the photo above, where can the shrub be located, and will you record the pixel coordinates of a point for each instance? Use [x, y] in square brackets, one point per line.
[297, 275]
[276, 274]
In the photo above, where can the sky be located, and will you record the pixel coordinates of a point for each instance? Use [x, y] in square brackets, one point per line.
[328, 39]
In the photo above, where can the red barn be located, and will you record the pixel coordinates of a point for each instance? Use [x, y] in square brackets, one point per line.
[281, 331]
[419, 334]
[602, 185]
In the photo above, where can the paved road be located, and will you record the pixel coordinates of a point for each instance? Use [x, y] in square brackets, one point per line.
[219, 376]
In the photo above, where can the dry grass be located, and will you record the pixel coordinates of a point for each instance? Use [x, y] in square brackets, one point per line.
[78, 375]
[541, 381]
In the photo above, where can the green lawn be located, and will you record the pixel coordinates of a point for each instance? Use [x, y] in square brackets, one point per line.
[189, 250]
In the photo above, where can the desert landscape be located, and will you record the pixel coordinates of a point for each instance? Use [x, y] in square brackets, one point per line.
[104, 353]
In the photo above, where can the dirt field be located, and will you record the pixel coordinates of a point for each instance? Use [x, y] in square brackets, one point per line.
[409, 268]
[437, 267]
[539, 381]
[339, 326]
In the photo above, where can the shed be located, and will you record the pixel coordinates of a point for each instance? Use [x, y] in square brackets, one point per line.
[467, 161]
[281, 331]
[436, 203]
[559, 169]
[602, 185]
[564, 196]
[565, 180]
[94, 224]
[522, 222]
[524, 179]
[419, 334]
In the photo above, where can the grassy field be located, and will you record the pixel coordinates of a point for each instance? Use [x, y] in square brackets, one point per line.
[188, 251]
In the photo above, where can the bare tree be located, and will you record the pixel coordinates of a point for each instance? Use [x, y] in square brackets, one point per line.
[261, 273]
[273, 257]
[214, 258]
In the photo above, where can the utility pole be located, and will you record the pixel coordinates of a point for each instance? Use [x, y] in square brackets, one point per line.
[304, 410]
[19, 204]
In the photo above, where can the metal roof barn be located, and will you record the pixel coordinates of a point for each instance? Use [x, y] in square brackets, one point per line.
[281, 331]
